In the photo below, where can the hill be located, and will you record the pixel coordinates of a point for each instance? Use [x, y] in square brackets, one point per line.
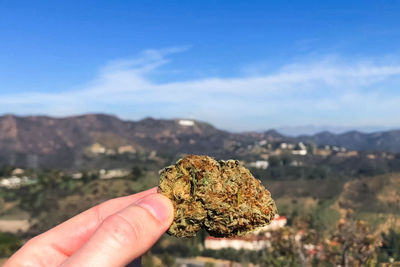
[98, 140]
[374, 199]
[62, 143]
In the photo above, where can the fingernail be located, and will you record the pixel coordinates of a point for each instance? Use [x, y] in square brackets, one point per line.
[156, 206]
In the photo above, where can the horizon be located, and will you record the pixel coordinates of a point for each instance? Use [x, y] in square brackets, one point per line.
[289, 131]
[298, 67]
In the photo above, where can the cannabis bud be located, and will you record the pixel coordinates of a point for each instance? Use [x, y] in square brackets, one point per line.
[220, 196]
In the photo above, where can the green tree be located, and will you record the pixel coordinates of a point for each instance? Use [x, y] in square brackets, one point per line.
[136, 173]
[291, 247]
[9, 243]
[390, 248]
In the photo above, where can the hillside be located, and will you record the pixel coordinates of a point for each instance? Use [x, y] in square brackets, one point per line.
[61, 143]
[374, 199]
[73, 142]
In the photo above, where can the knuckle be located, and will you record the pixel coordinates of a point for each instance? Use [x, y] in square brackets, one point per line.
[123, 231]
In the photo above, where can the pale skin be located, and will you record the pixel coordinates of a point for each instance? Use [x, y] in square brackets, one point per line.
[113, 233]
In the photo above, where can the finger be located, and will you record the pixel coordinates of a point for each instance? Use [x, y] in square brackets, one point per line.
[127, 234]
[73, 233]
[56, 245]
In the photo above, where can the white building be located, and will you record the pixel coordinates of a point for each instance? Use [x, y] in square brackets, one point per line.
[283, 145]
[117, 173]
[260, 164]
[77, 175]
[301, 150]
[238, 243]
[15, 182]
[277, 223]
[263, 142]
[257, 240]
[97, 148]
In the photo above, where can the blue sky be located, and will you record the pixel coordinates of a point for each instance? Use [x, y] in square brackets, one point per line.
[240, 65]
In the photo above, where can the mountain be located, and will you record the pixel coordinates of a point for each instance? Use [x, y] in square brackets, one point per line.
[310, 129]
[39, 141]
[69, 143]
[388, 141]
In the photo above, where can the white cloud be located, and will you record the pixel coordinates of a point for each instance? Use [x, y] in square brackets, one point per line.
[327, 91]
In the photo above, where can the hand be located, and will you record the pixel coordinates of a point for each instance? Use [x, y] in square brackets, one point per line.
[111, 234]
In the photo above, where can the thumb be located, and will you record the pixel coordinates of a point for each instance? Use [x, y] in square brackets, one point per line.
[127, 234]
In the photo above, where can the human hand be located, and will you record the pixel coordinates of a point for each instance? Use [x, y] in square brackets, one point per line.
[112, 233]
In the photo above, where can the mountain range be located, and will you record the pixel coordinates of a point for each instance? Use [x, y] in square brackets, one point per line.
[388, 141]
[47, 142]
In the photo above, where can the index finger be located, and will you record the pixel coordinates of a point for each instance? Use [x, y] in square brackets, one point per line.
[63, 240]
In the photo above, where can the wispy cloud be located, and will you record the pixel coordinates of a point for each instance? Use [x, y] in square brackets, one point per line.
[325, 91]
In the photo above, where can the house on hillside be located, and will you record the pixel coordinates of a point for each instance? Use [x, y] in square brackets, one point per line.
[97, 148]
[257, 240]
[16, 182]
[117, 173]
[252, 242]
[287, 146]
[260, 164]
[126, 149]
[277, 223]
[347, 154]
[300, 149]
